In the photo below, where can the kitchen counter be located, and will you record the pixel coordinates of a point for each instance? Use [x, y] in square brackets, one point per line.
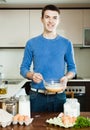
[13, 89]
[40, 124]
[80, 80]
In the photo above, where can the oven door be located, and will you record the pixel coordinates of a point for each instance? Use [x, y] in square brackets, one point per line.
[82, 100]
[80, 94]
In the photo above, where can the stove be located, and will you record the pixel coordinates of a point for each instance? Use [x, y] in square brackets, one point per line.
[81, 90]
[76, 89]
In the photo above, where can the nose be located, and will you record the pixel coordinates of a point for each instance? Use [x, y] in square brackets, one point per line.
[50, 20]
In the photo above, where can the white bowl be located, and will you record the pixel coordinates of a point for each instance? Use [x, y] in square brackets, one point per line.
[54, 85]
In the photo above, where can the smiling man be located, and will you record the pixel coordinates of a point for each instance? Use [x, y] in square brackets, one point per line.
[50, 53]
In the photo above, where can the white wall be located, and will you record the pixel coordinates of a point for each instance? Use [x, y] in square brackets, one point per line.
[11, 60]
[82, 57]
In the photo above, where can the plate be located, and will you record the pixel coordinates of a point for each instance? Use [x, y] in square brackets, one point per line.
[57, 121]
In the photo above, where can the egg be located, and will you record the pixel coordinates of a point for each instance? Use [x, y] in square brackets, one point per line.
[16, 117]
[21, 118]
[26, 118]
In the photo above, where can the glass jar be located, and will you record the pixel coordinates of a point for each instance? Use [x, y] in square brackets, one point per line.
[10, 105]
[24, 105]
[72, 107]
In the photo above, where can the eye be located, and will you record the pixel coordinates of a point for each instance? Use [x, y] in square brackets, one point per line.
[55, 17]
[46, 16]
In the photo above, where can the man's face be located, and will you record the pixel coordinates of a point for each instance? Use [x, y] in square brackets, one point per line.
[50, 20]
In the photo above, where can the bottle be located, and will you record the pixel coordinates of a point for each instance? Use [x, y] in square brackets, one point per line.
[1, 73]
[3, 88]
[1, 68]
[24, 105]
[72, 107]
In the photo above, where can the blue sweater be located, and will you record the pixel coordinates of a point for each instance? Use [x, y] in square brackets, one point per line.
[50, 57]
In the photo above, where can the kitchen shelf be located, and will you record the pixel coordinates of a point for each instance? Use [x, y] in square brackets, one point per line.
[12, 47]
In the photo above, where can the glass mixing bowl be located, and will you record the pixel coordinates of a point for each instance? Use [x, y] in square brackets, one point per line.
[54, 85]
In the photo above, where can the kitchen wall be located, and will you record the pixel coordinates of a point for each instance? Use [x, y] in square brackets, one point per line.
[11, 60]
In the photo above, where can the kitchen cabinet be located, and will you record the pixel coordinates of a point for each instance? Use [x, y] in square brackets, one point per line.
[18, 25]
[36, 27]
[71, 25]
[86, 18]
[14, 27]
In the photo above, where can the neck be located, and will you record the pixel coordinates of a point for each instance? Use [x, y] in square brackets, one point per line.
[50, 35]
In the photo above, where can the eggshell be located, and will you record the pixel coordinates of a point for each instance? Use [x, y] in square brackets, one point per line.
[16, 117]
[26, 118]
[21, 118]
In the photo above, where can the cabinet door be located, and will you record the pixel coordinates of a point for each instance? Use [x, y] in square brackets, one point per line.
[14, 28]
[71, 25]
[36, 27]
[86, 14]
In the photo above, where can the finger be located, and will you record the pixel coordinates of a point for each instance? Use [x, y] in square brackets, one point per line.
[37, 78]
[40, 76]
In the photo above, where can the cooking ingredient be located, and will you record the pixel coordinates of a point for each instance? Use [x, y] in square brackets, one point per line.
[19, 117]
[26, 118]
[3, 90]
[72, 107]
[82, 122]
[54, 85]
[15, 118]
[24, 105]
[55, 89]
[63, 120]
[22, 119]
[68, 119]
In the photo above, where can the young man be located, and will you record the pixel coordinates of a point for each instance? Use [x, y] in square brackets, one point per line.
[49, 53]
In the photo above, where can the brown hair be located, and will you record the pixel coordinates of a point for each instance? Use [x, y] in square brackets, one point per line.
[50, 7]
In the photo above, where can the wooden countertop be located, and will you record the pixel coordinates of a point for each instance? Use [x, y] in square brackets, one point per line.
[40, 124]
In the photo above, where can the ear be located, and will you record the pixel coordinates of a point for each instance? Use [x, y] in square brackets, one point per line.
[59, 19]
[41, 19]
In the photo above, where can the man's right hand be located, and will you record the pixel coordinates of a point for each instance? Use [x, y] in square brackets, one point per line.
[37, 77]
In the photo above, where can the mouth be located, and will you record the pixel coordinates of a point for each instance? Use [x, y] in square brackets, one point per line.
[50, 26]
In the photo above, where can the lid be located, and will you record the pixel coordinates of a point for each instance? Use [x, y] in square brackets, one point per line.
[23, 98]
[71, 100]
[11, 100]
